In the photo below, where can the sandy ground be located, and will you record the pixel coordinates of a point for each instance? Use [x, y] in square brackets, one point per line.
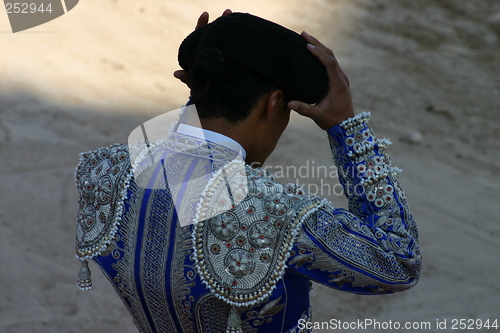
[428, 71]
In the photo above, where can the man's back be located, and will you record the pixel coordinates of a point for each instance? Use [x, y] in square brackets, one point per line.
[152, 264]
[265, 248]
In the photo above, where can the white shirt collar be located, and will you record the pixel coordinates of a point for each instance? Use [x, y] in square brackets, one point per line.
[211, 136]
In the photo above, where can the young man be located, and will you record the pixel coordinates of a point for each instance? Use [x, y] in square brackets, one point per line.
[195, 240]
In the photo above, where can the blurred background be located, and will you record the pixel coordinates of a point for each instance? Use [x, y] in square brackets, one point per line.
[428, 70]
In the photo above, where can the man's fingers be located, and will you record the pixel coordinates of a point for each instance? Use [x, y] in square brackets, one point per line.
[333, 70]
[182, 75]
[314, 41]
[202, 20]
[327, 60]
[300, 108]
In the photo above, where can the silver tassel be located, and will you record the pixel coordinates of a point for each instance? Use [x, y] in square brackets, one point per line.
[84, 277]
[233, 322]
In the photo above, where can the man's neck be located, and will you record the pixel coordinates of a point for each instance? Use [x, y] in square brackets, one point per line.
[222, 126]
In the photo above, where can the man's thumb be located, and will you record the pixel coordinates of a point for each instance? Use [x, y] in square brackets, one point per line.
[299, 107]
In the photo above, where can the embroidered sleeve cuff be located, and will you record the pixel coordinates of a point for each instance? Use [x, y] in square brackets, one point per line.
[359, 155]
[349, 124]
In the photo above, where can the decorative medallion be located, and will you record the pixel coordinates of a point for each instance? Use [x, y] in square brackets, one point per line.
[225, 226]
[262, 234]
[239, 262]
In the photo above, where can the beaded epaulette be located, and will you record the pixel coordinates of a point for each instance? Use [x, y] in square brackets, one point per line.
[102, 179]
[246, 227]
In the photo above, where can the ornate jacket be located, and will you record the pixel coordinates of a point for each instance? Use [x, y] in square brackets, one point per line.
[245, 261]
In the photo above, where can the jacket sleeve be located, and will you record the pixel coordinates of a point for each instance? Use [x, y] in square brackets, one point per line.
[373, 246]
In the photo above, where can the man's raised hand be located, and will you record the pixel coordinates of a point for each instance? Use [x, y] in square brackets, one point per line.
[202, 20]
[336, 106]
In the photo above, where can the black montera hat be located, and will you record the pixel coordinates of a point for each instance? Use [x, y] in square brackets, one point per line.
[261, 46]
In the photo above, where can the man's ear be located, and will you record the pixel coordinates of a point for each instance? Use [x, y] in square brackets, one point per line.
[274, 104]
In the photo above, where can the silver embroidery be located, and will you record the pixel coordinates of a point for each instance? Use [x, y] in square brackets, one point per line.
[125, 279]
[241, 252]
[102, 178]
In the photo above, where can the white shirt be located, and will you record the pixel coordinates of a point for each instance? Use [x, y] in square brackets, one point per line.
[211, 136]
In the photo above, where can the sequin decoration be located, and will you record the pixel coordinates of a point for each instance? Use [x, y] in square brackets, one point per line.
[277, 204]
[262, 234]
[225, 226]
[239, 263]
